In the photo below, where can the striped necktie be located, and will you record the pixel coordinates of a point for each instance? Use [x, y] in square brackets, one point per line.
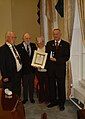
[56, 44]
[28, 49]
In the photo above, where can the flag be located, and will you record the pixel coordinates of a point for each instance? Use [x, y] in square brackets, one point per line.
[60, 7]
[38, 12]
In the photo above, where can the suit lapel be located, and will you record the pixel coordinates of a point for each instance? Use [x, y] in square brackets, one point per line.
[8, 49]
[9, 54]
[23, 48]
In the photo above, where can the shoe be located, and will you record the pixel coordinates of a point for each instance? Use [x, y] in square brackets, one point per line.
[61, 108]
[44, 116]
[24, 101]
[46, 102]
[32, 101]
[41, 101]
[52, 105]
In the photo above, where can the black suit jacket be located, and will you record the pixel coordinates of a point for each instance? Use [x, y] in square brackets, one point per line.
[7, 62]
[26, 60]
[62, 54]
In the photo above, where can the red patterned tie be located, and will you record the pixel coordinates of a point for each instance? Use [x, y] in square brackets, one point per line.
[56, 44]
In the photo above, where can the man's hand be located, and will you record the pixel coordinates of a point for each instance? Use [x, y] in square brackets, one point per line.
[39, 68]
[5, 79]
[53, 59]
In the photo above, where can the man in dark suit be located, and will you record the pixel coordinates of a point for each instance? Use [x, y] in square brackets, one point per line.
[26, 50]
[10, 64]
[58, 54]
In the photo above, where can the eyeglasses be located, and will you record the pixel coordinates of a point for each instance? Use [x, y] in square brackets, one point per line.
[14, 37]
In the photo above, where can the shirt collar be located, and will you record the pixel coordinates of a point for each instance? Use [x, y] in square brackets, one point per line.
[10, 45]
[26, 43]
[58, 41]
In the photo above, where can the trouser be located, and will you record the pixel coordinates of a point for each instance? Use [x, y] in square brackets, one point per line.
[28, 86]
[43, 86]
[14, 83]
[57, 88]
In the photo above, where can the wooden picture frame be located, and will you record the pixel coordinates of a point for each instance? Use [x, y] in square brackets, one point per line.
[39, 59]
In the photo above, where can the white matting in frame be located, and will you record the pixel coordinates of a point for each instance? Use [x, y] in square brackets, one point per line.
[39, 59]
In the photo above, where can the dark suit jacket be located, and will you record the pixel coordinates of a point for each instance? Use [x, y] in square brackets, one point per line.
[62, 54]
[7, 62]
[26, 60]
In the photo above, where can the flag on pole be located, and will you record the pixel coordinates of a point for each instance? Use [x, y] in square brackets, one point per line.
[60, 7]
[38, 12]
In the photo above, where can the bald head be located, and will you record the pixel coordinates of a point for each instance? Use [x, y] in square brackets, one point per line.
[10, 37]
[26, 37]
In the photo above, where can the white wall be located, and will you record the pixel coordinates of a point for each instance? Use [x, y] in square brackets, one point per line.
[24, 18]
[5, 19]
[19, 16]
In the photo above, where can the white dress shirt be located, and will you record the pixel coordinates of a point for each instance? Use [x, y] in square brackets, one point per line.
[25, 45]
[58, 42]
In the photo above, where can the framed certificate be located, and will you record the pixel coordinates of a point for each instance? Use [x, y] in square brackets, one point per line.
[39, 59]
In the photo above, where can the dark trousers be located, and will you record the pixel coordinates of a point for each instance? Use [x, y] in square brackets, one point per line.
[17, 84]
[57, 87]
[28, 85]
[43, 86]
[14, 83]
